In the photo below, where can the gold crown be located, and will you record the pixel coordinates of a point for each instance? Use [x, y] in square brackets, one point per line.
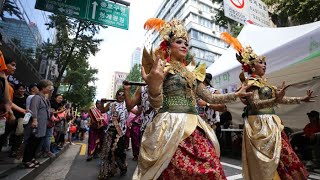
[248, 57]
[168, 30]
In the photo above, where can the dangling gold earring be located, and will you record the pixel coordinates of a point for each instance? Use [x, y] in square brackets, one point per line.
[253, 69]
[169, 54]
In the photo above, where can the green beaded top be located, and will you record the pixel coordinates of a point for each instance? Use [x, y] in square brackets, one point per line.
[177, 95]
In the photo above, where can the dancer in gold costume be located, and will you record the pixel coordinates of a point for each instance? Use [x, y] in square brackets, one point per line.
[178, 144]
[266, 151]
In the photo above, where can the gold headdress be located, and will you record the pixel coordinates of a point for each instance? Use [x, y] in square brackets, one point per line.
[245, 56]
[168, 30]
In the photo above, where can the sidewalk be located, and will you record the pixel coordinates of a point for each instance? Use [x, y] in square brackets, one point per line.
[10, 170]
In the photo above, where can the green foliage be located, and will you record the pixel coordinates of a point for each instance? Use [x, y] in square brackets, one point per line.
[75, 42]
[233, 26]
[284, 13]
[134, 75]
[292, 12]
[11, 9]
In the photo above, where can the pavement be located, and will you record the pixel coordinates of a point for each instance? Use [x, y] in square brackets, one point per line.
[71, 164]
[9, 169]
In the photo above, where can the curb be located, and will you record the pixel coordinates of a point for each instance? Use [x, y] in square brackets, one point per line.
[21, 173]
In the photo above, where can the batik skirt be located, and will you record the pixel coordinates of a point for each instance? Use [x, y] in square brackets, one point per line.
[195, 158]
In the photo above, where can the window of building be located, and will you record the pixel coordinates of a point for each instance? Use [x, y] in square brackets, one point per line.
[207, 38]
[204, 54]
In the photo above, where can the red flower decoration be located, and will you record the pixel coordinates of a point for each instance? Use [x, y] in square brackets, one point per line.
[164, 45]
[246, 68]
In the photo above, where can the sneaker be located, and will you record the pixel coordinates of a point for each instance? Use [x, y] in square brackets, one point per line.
[72, 143]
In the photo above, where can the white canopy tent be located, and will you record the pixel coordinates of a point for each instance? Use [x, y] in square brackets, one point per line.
[281, 46]
[293, 55]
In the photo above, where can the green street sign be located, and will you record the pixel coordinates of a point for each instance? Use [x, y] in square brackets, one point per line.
[98, 11]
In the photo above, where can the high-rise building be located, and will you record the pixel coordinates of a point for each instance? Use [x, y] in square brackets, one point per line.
[136, 57]
[198, 17]
[117, 80]
[22, 34]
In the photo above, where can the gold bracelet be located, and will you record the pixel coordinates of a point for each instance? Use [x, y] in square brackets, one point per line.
[156, 102]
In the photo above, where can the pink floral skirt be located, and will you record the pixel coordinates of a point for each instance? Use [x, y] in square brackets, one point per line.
[290, 167]
[195, 158]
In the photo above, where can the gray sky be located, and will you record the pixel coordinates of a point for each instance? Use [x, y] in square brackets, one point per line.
[118, 45]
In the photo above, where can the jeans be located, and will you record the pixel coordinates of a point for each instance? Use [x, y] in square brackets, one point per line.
[47, 140]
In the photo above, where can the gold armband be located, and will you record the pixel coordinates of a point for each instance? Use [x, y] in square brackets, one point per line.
[156, 102]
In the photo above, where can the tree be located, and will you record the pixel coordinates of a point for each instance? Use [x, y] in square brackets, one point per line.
[75, 39]
[11, 9]
[134, 75]
[220, 19]
[75, 42]
[291, 12]
[80, 93]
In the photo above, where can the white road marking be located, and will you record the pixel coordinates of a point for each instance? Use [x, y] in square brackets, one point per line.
[234, 177]
[231, 165]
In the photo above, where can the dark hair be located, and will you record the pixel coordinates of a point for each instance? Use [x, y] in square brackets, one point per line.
[17, 86]
[314, 114]
[208, 78]
[57, 95]
[44, 83]
[119, 90]
[32, 86]
[8, 60]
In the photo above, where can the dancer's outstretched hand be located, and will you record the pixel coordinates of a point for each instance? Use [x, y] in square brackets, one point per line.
[309, 97]
[156, 76]
[282, 91]
[242, 92]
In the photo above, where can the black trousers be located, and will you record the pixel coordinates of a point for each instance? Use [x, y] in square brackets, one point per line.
[15, 140]
[31, 147]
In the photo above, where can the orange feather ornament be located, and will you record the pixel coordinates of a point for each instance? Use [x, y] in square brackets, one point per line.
[154, 23]
[234, 42]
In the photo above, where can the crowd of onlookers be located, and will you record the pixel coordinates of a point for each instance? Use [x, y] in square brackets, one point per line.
[33, 122]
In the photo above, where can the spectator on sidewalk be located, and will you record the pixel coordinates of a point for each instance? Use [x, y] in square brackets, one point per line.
[45, 145]
[57, 104]
[83, 126]
[302, 142]
[33, 90]
[20, 100]
[10, 126]
[36, 128]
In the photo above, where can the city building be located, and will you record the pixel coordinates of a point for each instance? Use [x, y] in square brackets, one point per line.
[136, 57]
[22, 34]
[198, 16]
[117, 80]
